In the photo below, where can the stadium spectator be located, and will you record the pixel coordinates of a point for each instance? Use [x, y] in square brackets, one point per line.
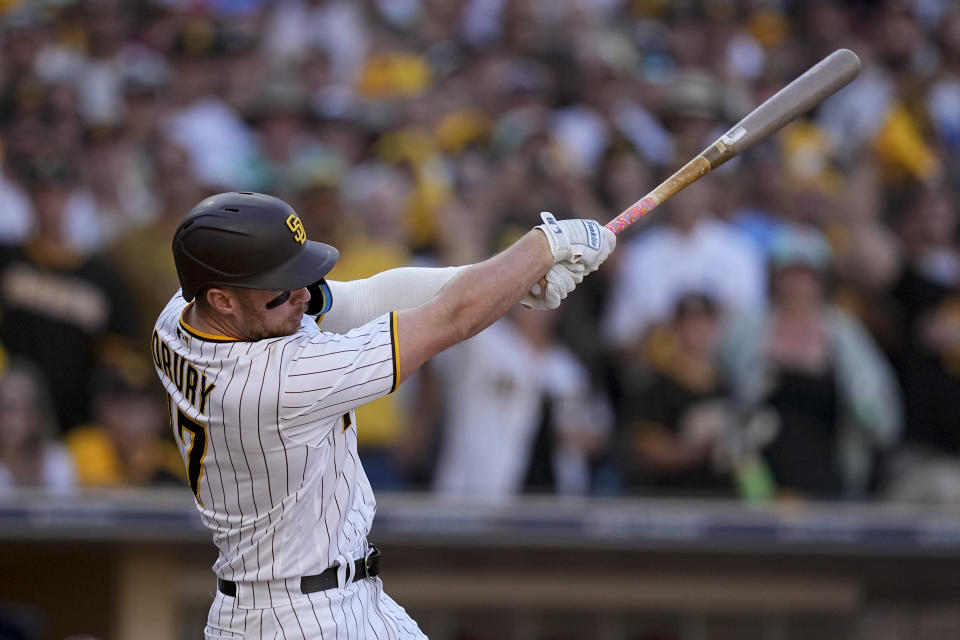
[517, 413]
[834, 393]
[127, 443]
[118, 189]
[762, 209]
[146, 264]
[690, 250]
[286, 146]
[15, 212]
[30, 456]
[221, 145]
[927, 467]
[60, 309]
[675, 420]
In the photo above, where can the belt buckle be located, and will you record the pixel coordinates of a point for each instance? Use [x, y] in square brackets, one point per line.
[371, 562]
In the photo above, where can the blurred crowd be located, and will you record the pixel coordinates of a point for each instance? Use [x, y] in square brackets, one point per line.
[786, 327]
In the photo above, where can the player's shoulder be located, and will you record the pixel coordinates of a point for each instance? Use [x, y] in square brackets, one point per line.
[169, 317]
[314, 337]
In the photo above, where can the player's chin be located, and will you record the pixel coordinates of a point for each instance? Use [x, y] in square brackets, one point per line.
[292, 325]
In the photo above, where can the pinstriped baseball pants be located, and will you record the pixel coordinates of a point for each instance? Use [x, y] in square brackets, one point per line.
[361, 610]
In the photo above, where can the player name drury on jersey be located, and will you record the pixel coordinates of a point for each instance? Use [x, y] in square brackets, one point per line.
[192, 384]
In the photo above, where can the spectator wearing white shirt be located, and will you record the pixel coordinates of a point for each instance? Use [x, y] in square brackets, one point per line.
[221, 145]
[690, 250]
[335, 27]
[16, 214]
[515, 414]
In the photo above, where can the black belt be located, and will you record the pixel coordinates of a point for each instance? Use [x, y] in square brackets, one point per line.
[367, 567]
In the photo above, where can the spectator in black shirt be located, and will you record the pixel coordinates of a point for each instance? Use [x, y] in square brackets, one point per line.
[58, 308]
[927, 294]
[834, 393]
[675, 421]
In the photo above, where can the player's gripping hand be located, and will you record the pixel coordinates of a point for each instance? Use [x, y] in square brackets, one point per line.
[560, 281]
[578, 241]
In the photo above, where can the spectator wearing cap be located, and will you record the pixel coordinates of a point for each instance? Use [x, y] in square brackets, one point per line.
[675, 418]
[59, 308]
[127, 442]
[30, 456]
[116, 183]
[693, 106]
[42, 152]
[147, 265]
[835, 395]
[221, 145]
[286, 149]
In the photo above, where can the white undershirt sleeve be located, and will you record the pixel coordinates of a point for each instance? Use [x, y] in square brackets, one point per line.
[357, 302]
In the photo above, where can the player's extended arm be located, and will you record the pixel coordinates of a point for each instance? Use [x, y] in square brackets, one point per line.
[483, 292]
[357, 302]
[470, 302]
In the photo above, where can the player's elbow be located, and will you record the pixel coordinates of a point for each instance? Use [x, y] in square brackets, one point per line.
[435, 326]
[462, 329]
[465, 321]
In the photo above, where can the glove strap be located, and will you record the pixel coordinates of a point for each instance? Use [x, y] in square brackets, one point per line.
[559, 242]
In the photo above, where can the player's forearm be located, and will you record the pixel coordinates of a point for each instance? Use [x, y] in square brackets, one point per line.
[471, 301]
[485, 291]
[357, 302]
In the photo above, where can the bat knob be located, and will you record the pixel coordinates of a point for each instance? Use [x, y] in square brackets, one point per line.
[539, 290]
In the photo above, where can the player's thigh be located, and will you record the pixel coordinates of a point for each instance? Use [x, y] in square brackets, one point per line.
[360, 610]
[226, 622]
[386, 615]
[388, 609]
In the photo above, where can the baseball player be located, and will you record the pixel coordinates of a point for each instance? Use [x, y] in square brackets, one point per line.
[265, 362]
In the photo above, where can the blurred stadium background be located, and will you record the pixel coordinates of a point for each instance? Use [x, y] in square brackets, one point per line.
[745, 426]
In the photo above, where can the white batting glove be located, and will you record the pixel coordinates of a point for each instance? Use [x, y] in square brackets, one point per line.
[561, 280]
[578, 240]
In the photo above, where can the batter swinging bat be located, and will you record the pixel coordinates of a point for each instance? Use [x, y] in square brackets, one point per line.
[820, 81]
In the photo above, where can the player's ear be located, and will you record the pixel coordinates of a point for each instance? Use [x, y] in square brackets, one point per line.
[221, 300]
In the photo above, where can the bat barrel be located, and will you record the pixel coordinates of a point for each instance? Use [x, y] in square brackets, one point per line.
[818, 83]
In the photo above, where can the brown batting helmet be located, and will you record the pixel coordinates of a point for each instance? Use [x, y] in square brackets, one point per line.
[249, 240]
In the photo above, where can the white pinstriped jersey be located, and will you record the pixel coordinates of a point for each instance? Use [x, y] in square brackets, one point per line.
[268, 435]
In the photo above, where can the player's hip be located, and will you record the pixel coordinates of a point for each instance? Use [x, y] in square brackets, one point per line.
[358, 610]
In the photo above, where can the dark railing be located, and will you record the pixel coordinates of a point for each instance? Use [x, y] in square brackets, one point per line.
[169, 515]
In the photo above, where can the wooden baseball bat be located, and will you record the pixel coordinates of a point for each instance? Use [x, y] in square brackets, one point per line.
[816, 84]
[819, 81]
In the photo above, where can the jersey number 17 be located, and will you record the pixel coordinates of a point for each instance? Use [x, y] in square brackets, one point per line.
[197, 451]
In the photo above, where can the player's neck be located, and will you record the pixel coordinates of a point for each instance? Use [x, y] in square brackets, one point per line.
[210, 323]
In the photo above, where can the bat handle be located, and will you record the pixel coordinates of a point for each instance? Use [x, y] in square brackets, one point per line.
[631, 214]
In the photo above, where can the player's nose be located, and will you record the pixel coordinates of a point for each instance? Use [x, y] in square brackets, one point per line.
[299, 296]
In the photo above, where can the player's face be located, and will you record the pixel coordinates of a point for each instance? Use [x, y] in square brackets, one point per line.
[258, 321]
